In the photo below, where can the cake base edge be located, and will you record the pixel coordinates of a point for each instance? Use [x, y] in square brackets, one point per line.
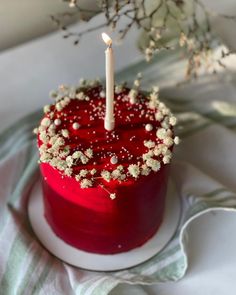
[104, 262]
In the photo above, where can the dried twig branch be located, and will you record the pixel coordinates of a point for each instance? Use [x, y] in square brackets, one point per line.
[194, 33]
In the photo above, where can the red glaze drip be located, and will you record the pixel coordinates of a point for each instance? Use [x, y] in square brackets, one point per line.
[87, 218]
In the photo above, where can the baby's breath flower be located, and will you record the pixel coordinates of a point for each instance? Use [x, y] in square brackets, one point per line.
[65, 133]
[59, 141]
[134, 170]
[163, 148]
[165, 124]
[46, 109]
[59, 106]
[53, 94]
[93, 171]
[137, 83]
[80, 95]
[156, 151]
[68, 171]
[161, 133]
[35, 131]
[76, 155]
[112, 196]
[45, 122]
[89, 153]
[84, 159]
[60, 164]
[106, 175]
[168, 141]
[118, 89]
[65, 152]
[173, 121]
[116, 174]
[149, 144]
[85, 183]
[43, 148]
[153, 164]
[45, 157]
[69, 161]
[133, 95]
[145, 170]
[83, 172]
[158, 116]
[166, 159]
[120, 167]
[147, 155]
[44, 137]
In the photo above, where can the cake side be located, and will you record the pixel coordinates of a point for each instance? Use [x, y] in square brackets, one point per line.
[95, 223]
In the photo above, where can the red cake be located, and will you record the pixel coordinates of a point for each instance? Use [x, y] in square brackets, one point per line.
[104, 191]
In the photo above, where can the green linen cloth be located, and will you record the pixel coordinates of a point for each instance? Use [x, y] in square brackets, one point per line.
[207, 130]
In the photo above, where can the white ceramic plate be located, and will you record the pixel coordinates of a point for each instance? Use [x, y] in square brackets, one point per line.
[99, 262]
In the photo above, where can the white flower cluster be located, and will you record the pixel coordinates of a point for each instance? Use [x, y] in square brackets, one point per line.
[119, 88]
[58, 163]
[153, 100]
[81, 96]
[47, 154]
[153, 164]
[64, 151]
[81, 177]
[133, 95]
[46, 109]
[45, 122]
[149, 144]
[161, 133]
[89, 153]
[36, 131]
[68, 171]
[85, 183]
[44, 137]
[65, 133]
[82, 174]
[69, 161]
[150, 50]
[62, 103]
[145, 170]
[134, 170]
[118, 173]
[106, 175]
[148, 155]
[78, 155]
[66, 92]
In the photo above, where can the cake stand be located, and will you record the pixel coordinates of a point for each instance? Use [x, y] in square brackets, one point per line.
[101, 262]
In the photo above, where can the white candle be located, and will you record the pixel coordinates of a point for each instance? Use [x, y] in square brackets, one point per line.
[109, 122]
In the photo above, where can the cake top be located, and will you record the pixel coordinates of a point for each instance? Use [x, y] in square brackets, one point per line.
[73, 140]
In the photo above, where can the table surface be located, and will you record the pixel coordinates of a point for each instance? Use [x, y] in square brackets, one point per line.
[30, 71]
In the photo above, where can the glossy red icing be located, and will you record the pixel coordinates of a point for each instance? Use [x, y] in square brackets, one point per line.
[87, 218]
